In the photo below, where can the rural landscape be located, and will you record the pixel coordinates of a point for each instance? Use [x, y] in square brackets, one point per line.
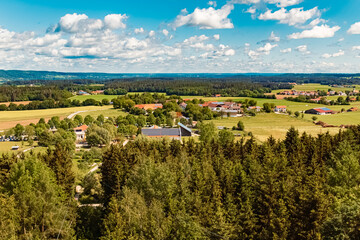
[162, 120]
[113, 149]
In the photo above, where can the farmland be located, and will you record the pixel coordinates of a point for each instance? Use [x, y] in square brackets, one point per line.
[9, 119]
[262, 125]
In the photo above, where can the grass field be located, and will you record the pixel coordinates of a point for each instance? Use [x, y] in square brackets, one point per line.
[314, 87]
[5, 147]
[99, 97]
[264, 125]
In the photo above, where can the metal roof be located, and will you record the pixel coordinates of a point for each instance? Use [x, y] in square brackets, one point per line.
[183, 126]
[161, 132]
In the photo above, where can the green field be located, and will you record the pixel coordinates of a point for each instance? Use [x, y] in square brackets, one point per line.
[315, 87]
[95, 97]
[264, 125]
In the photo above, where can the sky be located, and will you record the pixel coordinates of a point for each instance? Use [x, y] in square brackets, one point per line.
[181, 36]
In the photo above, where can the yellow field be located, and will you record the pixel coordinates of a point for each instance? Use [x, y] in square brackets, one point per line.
[9, 119]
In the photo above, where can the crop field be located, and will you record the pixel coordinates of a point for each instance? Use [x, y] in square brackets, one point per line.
[264, 125]
[9, 119]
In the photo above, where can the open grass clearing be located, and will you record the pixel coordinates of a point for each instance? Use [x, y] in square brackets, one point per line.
[265, 125]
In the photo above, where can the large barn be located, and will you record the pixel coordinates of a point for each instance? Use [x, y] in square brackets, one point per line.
[320, 111]
[174, 133]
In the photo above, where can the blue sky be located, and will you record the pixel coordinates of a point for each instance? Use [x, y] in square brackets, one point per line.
[180, 36]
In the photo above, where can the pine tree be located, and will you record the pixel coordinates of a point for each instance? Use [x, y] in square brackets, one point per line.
[60, 161]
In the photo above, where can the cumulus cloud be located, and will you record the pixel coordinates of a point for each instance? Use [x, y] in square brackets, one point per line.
[295, 16]
[273, 38]
[138, 30]
[303, 49]
[216, 37]
[286, 50]
[338, 54]
[264, 50]
[323, 31]
[115, 21]
[212, 3]
[284, 3]
[165, 32]
[206, 18]
[267, 48]
[73, 23]
[152, 33]
[354, 29]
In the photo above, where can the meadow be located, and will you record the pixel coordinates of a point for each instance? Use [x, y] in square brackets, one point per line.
[264, 125]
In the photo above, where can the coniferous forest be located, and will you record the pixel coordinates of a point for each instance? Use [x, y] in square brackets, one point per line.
[302, 187]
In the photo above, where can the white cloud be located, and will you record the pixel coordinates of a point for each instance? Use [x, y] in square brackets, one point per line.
[251, 10]
[73, 23]
[293, 17]
[196, 38]
[284, 3]
[165, 32]
[115, 21]
[355, 48]
[206, 18]
[303, 49]
[151, 33]
[267, 48]
[212, 3]
[354, 29]
[323, 31]
[216, 37]
[338, 54]
[286, 50]
[138, 30]
[273, 38]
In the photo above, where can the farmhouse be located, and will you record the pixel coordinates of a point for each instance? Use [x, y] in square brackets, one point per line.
[254, 108]
[97, 92]
[320, 111]
[149, 106]
[174, 133]
[81, 132]
[280, 109]
[353, 109]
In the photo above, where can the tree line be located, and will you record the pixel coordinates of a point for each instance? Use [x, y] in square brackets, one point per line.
[302, 187]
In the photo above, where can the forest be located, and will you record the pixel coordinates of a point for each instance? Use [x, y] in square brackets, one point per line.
[302, 187]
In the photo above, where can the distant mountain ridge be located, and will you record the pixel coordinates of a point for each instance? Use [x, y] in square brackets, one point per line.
[13, 75]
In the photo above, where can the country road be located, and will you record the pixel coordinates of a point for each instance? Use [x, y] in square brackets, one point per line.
[75, 113]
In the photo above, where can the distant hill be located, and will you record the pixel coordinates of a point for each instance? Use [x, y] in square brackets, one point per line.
[19, 75]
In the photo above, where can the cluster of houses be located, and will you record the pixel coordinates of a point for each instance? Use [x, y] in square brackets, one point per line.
[315, 93]
[81, 92]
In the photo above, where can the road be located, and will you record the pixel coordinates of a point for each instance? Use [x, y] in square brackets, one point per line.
[74, 114]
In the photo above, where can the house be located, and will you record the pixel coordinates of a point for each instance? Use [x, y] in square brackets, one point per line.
[149, 106]
[254, 108]
[353, 109]
[229, 113]
[320, 111]
[97, 92]
[217, 95]
[174, 133]
[81, 92]
[81, 133]
[280, 109]
[183, 106]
